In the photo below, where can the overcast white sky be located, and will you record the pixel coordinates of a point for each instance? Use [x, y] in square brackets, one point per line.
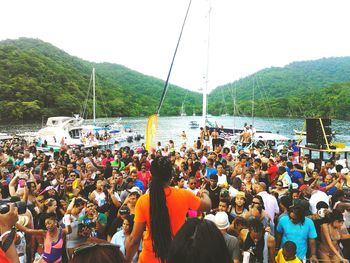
[245, 35]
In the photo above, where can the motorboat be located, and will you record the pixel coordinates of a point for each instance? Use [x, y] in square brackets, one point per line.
[61, 130]
[297, 132]
[5, 136]
[193, 124]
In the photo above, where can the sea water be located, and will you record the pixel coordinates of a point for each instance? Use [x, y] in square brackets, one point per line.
[170, 128]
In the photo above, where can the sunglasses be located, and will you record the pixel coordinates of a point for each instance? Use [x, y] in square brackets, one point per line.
[86, 247]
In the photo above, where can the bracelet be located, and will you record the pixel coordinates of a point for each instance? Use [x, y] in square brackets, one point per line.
[9, 240]
[4, 234]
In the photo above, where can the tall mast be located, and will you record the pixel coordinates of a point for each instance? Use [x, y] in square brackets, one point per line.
[93, 96]
[253, 104]
[205, 89]
[234, 107]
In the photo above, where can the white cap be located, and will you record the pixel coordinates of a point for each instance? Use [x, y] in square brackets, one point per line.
[210, 217]
[135, 189]
[295, 186]
[221, 220]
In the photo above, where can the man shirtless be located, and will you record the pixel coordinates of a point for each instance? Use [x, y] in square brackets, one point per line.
[246, 137]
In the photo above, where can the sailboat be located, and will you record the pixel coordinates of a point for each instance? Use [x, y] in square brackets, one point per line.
[232, 133]
[110, 134]
[183, 112]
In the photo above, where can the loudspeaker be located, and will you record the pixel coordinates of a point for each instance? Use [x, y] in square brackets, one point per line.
[314, 133]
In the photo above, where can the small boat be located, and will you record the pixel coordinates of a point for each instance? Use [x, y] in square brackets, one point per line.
[193, 124]
[5, 136]
[297, 132]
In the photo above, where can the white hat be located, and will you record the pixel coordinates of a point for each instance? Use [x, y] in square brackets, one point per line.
[135, 189]
[210, 217]
[344, 170]
[221, 220]
[295, 186]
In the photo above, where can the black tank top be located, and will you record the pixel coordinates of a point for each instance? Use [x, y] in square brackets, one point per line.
[256, 250]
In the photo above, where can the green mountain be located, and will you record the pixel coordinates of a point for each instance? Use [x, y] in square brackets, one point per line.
[300, 89]
[39, 80]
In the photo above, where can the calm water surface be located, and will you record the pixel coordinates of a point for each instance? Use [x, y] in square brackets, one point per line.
[171, 127]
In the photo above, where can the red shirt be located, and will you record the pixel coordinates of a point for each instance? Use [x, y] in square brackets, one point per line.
[144, 178]
[272, 171]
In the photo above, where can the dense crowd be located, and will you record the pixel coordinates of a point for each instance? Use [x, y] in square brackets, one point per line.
[200, 203]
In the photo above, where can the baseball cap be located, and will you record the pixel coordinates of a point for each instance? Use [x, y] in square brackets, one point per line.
[295, 186]
[221, 220]
[135, 189]
[210, 217]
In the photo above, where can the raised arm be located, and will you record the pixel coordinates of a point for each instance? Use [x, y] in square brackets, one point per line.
[34, 232]
[12, 185]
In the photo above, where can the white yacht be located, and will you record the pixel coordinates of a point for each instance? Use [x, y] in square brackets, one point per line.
[61, 130]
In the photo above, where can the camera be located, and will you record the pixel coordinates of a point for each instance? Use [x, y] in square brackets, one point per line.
[107, 186]
[4, 206]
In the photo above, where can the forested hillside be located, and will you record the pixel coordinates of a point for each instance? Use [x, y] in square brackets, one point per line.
[310, 88]
[38, 79]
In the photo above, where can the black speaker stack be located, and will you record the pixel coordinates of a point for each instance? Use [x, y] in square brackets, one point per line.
[314, 133]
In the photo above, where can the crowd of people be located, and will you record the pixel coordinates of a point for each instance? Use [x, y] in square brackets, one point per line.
[172, 204]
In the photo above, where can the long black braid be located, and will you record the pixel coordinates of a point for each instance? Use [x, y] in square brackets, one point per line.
[160, 222]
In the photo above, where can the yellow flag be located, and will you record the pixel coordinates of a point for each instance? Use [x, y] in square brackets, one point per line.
[151, 131]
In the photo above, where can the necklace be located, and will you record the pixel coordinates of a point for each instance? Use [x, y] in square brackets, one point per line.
[214, 188]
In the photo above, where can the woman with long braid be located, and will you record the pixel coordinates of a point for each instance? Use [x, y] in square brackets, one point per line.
[161, 213]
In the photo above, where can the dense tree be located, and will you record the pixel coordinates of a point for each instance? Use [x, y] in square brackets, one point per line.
[39, 80]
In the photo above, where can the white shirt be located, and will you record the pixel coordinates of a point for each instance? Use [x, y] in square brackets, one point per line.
[316, 197]
[194, 191]
[222, 179]
[232, 191]
[270, 203]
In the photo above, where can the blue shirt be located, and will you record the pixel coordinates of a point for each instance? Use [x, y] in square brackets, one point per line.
[211, 171]
[140, 185]
[330, 190]
[298, 233]
[295, 176]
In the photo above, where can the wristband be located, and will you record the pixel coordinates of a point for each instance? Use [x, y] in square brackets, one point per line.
[4, 234]
[9, 240]
[66, 220]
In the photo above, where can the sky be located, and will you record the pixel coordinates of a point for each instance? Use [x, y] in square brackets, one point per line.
[243, 36]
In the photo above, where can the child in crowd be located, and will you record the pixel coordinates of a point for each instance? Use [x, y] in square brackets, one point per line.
[288, 253]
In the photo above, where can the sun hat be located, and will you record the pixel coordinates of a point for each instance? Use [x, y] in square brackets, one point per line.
[221, 220]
